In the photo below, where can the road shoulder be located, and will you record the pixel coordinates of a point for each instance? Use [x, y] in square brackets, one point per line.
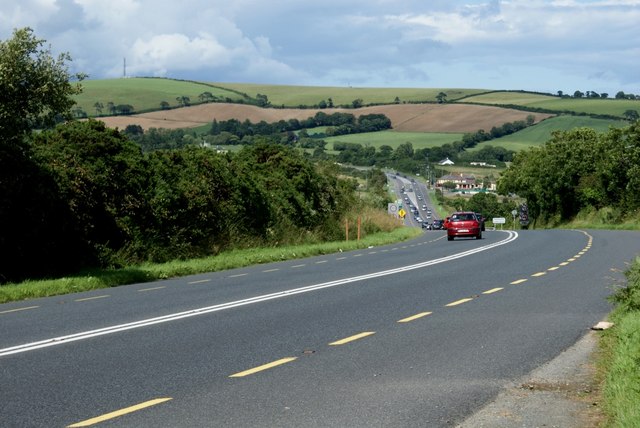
[562, 393]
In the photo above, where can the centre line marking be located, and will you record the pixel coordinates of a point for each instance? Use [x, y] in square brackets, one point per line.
[352, 338]
[415, 317]
[117, 413]
[264, 367]
[321, 261]
[238, 275]
[152, 288]
[459, 302]
[270, 270]
[19, 309]
[518, 281]
[340, 258]
[199, 281]
[539, 274]
[493, 290]
[91, 298]
[199, 311]
[297, 266]
[554, 268]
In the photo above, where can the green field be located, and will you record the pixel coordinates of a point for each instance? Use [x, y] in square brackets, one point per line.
[419, 140]
[295, 96]
[541, 133]
[143, 94]
[613, 107]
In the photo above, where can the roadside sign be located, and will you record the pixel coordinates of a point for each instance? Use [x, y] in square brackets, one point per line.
[402, 213]
[392, 208]
[499, 220]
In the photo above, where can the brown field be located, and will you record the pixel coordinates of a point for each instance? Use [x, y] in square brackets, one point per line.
[404, 117]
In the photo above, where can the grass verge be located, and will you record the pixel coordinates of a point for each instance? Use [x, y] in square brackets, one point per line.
[619, 360]
[97, 279]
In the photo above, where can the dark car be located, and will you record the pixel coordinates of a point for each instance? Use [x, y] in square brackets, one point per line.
[481, 219]
[437, 224]
[464, 224]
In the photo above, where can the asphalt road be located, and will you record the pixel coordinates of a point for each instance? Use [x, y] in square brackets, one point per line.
[421, 333]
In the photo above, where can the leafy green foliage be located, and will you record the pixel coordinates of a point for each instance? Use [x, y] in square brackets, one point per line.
[107, 204]
[576, 170]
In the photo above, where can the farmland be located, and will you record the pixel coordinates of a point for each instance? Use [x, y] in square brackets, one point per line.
[414, 114]
[541, 133]
[597, 106]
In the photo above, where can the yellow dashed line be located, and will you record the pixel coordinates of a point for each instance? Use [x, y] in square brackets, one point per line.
[19, 309]
[459, 302]
[493, 290]
[352, 338]
[91, 298]
[264, 367]
[117, 413]
[415, 317]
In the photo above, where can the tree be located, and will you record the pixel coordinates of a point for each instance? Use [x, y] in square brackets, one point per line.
[36, 87]
[98, 106]
[578, 94]
[357, 103]
[631, 115]
[183, 100]
[164, 105]
[35, 90]
[441, 98]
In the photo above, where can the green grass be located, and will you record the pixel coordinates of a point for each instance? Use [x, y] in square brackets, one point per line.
[598, 106]
[620, 355]
[143, 94]
[419, 140]
[540, 133]
[229, 260]
[294, 96]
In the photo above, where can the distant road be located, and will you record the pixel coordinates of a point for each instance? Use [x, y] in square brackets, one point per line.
[420, 333]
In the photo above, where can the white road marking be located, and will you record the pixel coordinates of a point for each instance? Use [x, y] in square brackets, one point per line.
[512, 236]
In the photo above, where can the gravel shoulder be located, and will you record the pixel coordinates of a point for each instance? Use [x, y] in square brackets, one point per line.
[562, 393]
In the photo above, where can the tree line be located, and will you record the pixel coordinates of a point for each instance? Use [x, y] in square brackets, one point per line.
[89, 197]
[579, 171]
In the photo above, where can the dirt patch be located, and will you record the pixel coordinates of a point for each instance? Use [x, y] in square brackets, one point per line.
[404, 117]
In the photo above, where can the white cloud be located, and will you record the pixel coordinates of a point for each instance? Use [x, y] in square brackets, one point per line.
[363, 42]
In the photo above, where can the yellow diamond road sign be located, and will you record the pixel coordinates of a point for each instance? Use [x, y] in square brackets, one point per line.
[402, 213]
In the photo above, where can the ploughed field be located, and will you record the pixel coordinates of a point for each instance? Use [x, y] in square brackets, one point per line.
[404, 117]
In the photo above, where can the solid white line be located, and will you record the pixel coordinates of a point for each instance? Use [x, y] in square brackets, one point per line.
[512, 236]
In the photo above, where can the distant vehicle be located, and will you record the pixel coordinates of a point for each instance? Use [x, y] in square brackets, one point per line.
[524, 216]
[481, 219]
[464, 224]
[427, 225]
[437, 224]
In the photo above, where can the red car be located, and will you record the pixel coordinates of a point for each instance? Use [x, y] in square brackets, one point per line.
[464, 224]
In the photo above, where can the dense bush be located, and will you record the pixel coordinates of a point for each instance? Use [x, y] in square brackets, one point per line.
[89, 197]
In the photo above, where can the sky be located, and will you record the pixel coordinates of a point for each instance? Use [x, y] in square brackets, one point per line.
[534, 45]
